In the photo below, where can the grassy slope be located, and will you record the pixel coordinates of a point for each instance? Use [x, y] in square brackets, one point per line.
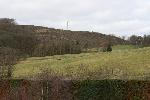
[120, 64]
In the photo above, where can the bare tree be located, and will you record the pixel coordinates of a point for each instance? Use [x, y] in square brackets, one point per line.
[8, 57]
[7, 21]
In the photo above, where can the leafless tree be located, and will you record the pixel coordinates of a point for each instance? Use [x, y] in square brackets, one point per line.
[8, 58]
[7, 21]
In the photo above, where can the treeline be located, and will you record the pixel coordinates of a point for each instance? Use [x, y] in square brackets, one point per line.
[57, 47]
[141, 41]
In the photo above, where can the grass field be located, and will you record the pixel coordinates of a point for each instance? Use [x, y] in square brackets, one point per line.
[125, 62]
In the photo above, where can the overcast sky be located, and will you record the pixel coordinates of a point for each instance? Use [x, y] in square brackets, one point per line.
[120, 17]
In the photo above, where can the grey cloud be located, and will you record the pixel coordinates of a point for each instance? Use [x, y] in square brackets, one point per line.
[110, 16]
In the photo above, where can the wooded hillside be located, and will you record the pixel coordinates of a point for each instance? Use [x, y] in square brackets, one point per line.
[43, 41]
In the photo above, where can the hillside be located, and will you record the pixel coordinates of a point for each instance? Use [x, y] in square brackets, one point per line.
[85, 38]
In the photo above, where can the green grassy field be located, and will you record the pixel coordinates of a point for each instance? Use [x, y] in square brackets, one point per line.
[125, 62]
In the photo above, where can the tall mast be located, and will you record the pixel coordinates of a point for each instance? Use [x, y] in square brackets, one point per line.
[67, 25]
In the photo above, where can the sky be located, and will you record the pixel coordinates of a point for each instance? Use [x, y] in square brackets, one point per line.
[118, 17]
